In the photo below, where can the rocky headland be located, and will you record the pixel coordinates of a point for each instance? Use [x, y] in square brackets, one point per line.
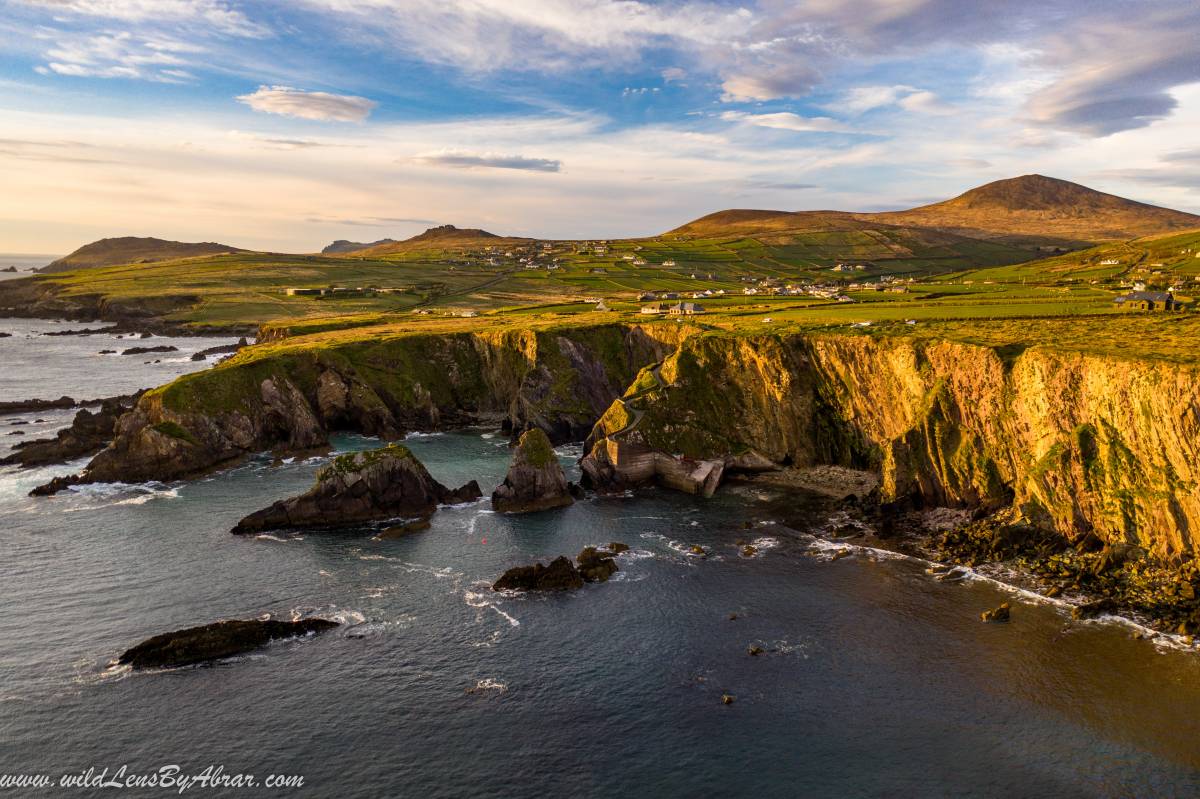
[361, 488]
[1093, 453]
[289, 396]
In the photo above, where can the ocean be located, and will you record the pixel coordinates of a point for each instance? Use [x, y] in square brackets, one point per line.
[875, 679]
[24, 263]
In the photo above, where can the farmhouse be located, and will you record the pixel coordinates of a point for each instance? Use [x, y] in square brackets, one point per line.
[653, 308]
[1148, 301]
[686, 309]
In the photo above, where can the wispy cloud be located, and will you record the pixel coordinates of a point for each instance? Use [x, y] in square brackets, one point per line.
[372, 221]
[286, 101]
[216, 15]
[785, 120]
[121, 55]
[457, 159]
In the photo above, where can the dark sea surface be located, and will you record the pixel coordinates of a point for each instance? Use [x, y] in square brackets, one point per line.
[876, 680]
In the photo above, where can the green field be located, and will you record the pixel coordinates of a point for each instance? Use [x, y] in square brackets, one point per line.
[942, 285]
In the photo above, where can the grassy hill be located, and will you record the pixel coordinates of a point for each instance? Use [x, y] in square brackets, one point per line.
[344, 246]
[132, 249]
[743, 259]
[1041, 207]
[437, 241]
[1159, 261]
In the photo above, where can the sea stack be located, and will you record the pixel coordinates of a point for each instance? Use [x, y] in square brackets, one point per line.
[535, 479]
[359, 488]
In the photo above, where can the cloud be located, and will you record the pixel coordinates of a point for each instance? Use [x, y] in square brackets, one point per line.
[773, 83]
[770, 186]
[289, 102]
[1117, 69]
[926, 102]
[785, 120]
[121, 55]
[215, 15]
[862, 99]
[531, 35]
[372, 221]
[970, 163]
[465, 160]
[673, 74]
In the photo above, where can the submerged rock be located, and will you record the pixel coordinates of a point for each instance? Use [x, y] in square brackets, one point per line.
[145, 350]
[215, 641]
[1000, 614]
[1090, 610]
[535, 479]
[361, 487]
[596, 566]
[560, 575]
[407, 528]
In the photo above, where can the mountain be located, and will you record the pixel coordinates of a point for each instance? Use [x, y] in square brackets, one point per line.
[751, 222]
[1028, 211]
[133, 250]
[341, 246]
[451, 232]
[1036, 205]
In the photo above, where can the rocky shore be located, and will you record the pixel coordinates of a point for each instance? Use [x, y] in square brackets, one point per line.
[90, 432]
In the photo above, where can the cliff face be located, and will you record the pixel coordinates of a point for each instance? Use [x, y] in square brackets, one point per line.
[1079, 443]
[291, 396]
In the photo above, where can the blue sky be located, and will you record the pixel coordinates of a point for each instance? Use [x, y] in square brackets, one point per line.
[283, 125]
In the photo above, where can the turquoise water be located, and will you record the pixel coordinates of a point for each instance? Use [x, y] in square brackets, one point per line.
[876, 679]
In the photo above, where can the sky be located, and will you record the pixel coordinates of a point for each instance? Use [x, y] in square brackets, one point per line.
[285, 124]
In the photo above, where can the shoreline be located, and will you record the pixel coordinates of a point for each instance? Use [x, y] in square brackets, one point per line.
[916, 535]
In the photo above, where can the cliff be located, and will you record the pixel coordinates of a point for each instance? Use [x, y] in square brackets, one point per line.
[290, 396]
[1081, 444]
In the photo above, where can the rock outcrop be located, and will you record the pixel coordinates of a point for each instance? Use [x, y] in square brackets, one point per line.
[560, 575]
[361, 488]
[595, 566]
[222, 639]
[535, 479]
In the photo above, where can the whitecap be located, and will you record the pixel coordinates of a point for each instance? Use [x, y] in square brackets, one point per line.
[488, 684]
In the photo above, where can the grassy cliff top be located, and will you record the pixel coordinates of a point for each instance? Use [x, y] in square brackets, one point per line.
[357, 461]
[535, 446]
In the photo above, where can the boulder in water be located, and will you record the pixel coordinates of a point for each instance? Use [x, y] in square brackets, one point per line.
[361, 487]
[1000, 614]
[535, 479]
[215, 641]
[560, 575]
[596, 566]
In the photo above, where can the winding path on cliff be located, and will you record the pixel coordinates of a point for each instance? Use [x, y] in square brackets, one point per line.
[636, 413]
